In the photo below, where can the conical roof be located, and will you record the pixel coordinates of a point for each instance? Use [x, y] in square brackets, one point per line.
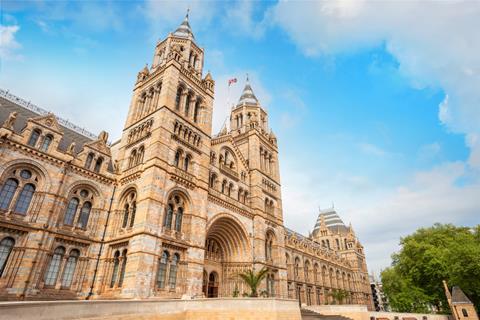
[184, 30]
[248, 97]
[332, 221]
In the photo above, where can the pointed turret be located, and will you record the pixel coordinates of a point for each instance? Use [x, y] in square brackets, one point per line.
[247, 97]
[184, 30]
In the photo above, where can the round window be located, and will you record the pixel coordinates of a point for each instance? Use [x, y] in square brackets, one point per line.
[25, 174]
[84, 193]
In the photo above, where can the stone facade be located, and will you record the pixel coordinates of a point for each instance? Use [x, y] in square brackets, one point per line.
[166, 211]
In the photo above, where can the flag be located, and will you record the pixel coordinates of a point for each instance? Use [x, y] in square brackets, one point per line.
[233, 80]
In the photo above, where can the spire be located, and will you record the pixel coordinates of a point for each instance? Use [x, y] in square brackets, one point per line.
[248, 97]
[184, 30]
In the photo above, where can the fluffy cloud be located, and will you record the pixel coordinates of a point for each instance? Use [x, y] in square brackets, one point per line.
[9, 44]
[435, 43]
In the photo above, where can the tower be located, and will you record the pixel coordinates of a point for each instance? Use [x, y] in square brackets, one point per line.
[162, 162]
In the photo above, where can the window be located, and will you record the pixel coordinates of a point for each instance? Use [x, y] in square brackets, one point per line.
[71, 211]
[32, 142]
[175, 208]
[84, 215]
[129, 209]
[187, 104]
[88, 162]
[176, 162]
[7, 193]
[6, 246]
[178, 219]
[178, 97]
[186, 163]
[269, 247]
[46, 143]
[69, 270]
[162, 270]
[98, 165]
[116, 263]
[169, 217]
[141, 153]
[465, 313]
[213, 179]
[122, 270]
[172, 282]
[195, 111]
[54, 266]
[79, 208]
[224, 186]
[297, 267]
[23, 201]
[132, 159]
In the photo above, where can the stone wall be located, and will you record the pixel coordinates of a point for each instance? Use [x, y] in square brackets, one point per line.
[200, 309]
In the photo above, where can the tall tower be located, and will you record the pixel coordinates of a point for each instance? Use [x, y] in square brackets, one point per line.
[162, 161]
[253, 137]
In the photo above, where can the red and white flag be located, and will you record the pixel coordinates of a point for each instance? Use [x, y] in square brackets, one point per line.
[233, 80]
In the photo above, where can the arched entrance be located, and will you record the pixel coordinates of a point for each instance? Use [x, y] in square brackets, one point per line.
[227, 253]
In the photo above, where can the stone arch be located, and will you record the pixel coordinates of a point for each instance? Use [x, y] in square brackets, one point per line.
[232, 237]
[45, 184]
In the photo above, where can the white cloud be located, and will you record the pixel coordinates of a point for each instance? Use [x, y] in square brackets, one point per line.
[436, 44]
[429, 151]
[8, 43]
[373, 150]
[239, 20]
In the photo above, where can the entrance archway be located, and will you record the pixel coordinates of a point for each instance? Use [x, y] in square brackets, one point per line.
[227, 253]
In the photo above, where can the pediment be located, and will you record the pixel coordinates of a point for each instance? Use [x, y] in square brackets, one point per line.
[48, 121]
[100, 146]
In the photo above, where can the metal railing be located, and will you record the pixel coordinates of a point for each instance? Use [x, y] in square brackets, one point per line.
[34, 108]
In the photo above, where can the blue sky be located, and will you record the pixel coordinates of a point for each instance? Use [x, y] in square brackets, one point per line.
[376, 105]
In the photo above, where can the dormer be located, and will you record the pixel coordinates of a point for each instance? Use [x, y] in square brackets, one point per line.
[96, 155]
[43, 133]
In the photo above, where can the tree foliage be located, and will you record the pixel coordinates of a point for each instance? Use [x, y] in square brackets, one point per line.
[443, 252]
[253, 279]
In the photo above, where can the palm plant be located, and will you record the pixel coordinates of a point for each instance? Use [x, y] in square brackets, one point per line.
[339, 295]
[253, 279]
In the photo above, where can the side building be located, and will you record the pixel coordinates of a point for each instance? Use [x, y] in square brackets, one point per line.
[168, 210]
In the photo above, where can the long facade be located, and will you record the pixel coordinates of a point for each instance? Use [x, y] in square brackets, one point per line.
[169, 210]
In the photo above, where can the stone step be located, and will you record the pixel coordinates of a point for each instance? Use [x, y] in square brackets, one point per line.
[311, 315]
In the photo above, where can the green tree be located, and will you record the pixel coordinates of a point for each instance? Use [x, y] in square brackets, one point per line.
[443, 252]
[253, 279]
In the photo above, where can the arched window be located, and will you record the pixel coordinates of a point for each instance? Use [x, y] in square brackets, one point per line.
[7, 193]
[176, 162]
[141, 153]
[84, 215]
[71, 211]
[54, 266]
[213, 178]
[195, 111]
[186, 163]
[116, 264]
[122, 269]
[307, 271]
[315, 272]
[162, 270]
[125, 215]
[169, 217]
[187, 104]
[32, 142]
[132, 159]
[6, 246]
[230, 189]
[134, 211]
[175, 208]
[172, 281]
[129, 208]
[98, 165]
[224, 186]
[23, 201]
[178, 219]
[46, 142]
[178, 97]
[269, 247]
[88, 162]
[69, 270]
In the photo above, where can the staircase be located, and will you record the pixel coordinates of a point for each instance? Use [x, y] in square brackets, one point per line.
[311, 315]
